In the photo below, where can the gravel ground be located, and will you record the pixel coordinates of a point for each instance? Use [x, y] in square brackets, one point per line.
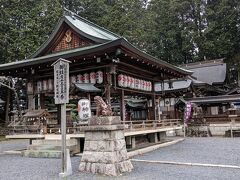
[199, 150]
[13, 145]
[202, 150]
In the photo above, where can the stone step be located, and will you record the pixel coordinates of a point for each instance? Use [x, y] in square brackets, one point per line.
[69, 142]
[43, 147]
[42, 153]
[50, 147]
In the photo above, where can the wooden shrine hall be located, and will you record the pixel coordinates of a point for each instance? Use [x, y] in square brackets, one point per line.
[102, 63]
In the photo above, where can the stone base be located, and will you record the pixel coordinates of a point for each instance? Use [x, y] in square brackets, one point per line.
[104, 120]
[106, 169]
[105, 151]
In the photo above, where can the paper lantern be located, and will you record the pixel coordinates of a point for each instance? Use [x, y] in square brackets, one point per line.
[145, 85]
[84, 110]
[86, 78]
[150, 86]
[30, 88]
[39, 86]
[93, 78]
[50, 84]
[120, 80]
[137, 83]
[132, 83]
[73, 79]
[141, 85]
[79, 78]
[125, 81]
[128, 81]
[45, 85]
[99, 77]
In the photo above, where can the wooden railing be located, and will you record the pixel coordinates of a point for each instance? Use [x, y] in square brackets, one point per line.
[129, 126]
[150, 124]
[74, 129]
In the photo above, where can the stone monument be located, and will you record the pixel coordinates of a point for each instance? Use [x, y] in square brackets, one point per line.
[105, 147]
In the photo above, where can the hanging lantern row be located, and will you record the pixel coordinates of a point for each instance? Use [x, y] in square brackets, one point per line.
[47, 85]
[93, 77]
[134, 83]
[44, 85]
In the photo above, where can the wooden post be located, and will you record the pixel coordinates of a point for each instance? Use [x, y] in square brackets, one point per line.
[42, 101]
[31, 102]
[61, 95]
[122, 106]
[63, 129]
[108, 88]
[89, 97]
[154, 106]
[58, 113]
[7, 106]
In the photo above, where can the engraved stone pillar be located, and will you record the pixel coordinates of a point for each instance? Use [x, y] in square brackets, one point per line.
[105, 147]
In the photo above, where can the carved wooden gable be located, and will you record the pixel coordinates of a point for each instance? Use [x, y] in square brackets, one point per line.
[70, 40]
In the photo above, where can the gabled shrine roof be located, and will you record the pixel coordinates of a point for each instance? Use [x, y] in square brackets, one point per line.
[210, 72]
[83, 27]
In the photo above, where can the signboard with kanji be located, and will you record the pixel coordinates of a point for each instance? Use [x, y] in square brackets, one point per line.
[84, 110]
[61, 81]
[187, 112]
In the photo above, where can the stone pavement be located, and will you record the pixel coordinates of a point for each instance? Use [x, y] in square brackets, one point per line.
[201, 150]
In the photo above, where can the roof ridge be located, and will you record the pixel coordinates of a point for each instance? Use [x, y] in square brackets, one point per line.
[73, 14]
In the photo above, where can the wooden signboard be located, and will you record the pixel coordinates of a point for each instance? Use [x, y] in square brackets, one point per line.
[61, 81]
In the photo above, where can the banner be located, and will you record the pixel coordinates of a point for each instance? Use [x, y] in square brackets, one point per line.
[187, 112]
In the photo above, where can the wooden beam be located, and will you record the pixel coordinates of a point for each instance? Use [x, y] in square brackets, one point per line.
[136, 68]
[135, 91]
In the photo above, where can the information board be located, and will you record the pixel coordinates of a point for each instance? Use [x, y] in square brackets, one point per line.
[61, 81]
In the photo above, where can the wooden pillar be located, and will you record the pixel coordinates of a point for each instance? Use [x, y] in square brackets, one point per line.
[122, 106]
[42, 101]
[154, 106]
[108, 87]
[31, 102]
[89, 97]
[7, 106]
[133, 141]
[58, 113]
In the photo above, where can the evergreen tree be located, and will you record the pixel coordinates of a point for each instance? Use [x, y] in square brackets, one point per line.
[25, 25]
[222, 33]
